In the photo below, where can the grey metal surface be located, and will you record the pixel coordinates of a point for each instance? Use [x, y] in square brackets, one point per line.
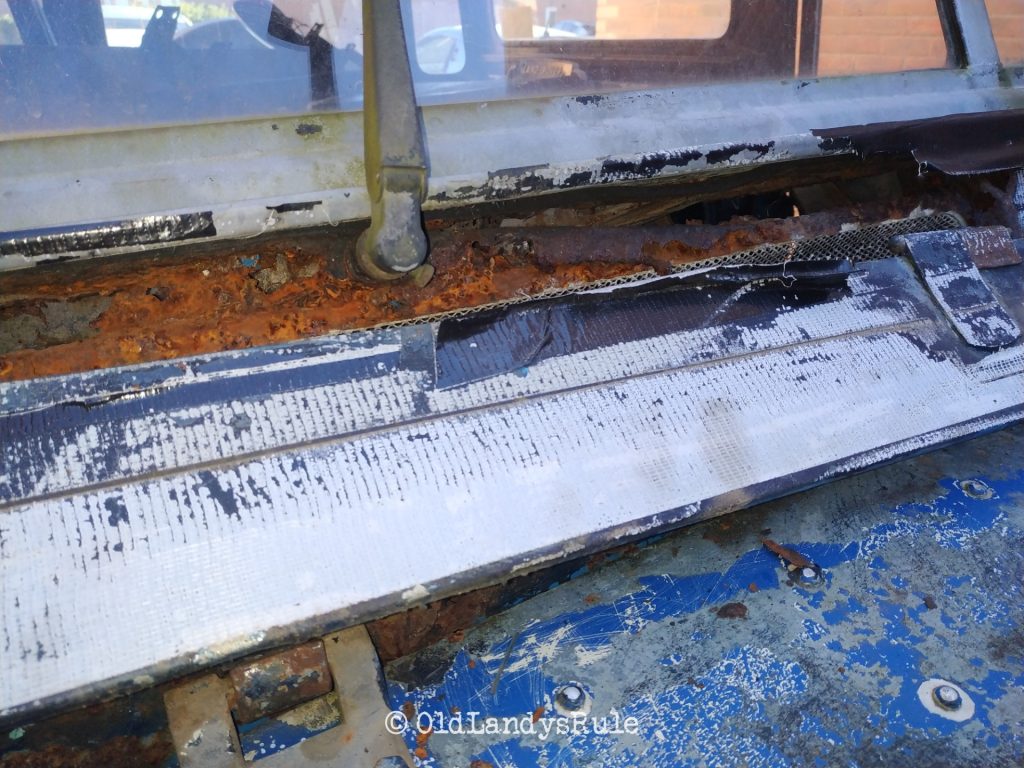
[922, 575]
[205, 737]
[945, 263]
[396, 165]
[973, 31]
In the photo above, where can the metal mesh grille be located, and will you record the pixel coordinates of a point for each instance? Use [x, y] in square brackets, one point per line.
[865, 243]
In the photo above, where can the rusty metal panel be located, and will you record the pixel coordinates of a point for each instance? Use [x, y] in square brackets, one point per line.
[205, 735]
[279, 681]
[991, 247]
[121, 313]
[945, 262]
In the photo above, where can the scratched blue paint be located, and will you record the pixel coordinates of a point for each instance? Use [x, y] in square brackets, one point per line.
[269, 735]
[844, 611]
[847, 636]
[679, 705]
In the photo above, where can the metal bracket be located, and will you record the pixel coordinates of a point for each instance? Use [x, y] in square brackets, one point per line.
[947, 262]
[160, 30]
[396, 170]
[205, 735]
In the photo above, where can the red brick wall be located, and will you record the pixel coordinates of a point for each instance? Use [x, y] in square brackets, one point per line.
[879, 36]
[662, 19]
[1007, 18]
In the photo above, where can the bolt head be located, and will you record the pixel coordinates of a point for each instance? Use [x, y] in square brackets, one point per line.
[571, 699]
[947, 697]
[976, 489]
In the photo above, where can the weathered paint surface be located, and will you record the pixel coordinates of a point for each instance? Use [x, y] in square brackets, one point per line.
[479, 152]
[135, 502]
[922, 580]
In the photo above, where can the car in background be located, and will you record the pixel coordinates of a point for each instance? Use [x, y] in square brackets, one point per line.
[126, 24]
[574, 27]
[441, 51]
[219, 33]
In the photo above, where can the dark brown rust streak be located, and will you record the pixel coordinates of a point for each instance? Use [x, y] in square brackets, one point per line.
[198, 301]
[661, 248]
[792, 557]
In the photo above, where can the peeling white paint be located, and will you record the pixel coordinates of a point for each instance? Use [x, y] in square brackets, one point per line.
[344, 481]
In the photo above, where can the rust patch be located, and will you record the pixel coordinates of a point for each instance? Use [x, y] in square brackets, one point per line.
[409, 710]
[752, 587]
[538, 713]
[422, 738]
[157, 308]
[119, 751]
[991, 247]
[201, 299]
[280, 681]
[403, 633]
[457, 636]
[732, 611]
[929, 603]
[791, 557]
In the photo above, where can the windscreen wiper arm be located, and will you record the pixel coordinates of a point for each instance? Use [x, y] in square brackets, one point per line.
[395, 244]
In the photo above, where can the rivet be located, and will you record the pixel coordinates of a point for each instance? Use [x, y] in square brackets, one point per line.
[809, 576]
[572, 699]
[976, 489]
[947, 697]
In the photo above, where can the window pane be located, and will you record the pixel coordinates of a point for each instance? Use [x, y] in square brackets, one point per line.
[8, 30]
[93, 64]
[581, 46]
[613, 19]
[860, 36]
[1007, 17]
[440, 48]
[662, 20]
[115, 63]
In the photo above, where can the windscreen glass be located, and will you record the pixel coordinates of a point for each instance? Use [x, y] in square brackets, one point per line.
[8, 29]
[82, 65]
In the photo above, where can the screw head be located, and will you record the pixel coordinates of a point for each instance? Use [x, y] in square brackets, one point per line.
[947, 697]
[976, 489]
[572, 699]
[808, 576]
[569, 696]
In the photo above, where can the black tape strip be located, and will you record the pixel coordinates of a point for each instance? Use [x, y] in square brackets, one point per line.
[148, 230]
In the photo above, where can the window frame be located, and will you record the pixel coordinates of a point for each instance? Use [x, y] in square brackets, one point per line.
[243, 171]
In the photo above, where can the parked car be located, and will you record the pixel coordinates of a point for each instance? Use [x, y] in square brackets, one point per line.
[574, 27]
[442, 51]
[219, 33]
[126, 24]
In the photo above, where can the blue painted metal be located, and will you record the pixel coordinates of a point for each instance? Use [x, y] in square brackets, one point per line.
[922, 578]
